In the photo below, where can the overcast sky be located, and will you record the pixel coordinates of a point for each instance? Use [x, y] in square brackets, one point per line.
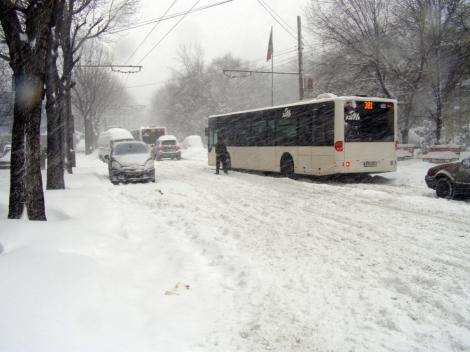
[240, 27]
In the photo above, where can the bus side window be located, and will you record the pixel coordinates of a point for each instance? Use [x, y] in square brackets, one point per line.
[258, 132]
[240, 127]
[323, 126]
[271, 129]
[305, 126]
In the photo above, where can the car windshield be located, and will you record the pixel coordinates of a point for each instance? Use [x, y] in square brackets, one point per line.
[169, 142]
[130, 148]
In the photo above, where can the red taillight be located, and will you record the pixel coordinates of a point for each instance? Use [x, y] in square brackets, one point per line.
[348, 164]
[177, 147]
[339, 146]
[160, 147]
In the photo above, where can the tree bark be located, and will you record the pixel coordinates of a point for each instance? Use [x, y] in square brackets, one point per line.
[34, 191]
[28, 52]
[17, 164]
[55, 160]
[67, 49]
[89, 145]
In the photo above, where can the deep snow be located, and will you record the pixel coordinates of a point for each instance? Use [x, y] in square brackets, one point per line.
[271, 263]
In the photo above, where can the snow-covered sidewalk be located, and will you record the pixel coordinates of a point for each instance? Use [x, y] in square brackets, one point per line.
[101, 275]
[272, 264]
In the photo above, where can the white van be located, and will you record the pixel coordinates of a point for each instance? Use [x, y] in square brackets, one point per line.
[107, 138]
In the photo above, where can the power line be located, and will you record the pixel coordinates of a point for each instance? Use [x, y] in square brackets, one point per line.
[178, 14]
[171, 29]
[279, 53]
[150, 32]
[280, 18]
[270, 14]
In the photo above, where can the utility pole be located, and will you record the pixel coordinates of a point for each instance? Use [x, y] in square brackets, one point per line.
[299, 48]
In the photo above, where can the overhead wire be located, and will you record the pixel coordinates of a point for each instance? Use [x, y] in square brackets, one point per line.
[278, 21]
[150, 32]
[160, 19]
[169, 31]
[279, 17]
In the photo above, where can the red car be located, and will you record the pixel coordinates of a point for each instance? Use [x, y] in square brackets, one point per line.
[450, 180]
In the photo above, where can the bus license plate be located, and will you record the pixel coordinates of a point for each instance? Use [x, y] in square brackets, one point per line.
[370, 163]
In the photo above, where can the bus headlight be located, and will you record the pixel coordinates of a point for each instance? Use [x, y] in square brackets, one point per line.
[115, 165]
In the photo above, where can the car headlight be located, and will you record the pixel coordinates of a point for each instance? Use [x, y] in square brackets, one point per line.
[115, 165]
[149, 164]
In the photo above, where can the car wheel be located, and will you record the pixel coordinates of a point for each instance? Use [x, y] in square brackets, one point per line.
[287, 166]
[114, 182]
[445, 188]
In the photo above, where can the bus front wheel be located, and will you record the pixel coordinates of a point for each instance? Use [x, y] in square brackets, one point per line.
[287, 166]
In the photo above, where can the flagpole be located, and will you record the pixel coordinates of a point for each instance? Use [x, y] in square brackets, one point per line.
[272, 74]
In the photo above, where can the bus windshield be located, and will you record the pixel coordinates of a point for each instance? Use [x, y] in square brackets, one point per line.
[368, 121]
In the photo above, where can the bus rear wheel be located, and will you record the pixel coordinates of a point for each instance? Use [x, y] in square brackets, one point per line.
[287, 166]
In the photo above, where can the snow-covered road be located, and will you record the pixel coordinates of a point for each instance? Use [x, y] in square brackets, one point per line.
[294, 265]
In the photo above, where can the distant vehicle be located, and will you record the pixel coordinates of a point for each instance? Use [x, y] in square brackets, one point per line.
[5, 159]
[192, 142]
[325, 136]
[450, 180]
[148, 135]
[107, 138]
[167, 147]
[130, 162]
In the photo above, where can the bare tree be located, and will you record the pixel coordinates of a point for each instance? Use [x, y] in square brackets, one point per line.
[96, 92]
[26, 26]
[402, 47]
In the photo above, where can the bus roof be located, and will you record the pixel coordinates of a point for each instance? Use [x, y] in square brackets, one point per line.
[331, 97]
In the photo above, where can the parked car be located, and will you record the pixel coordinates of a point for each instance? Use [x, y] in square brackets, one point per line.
[108, 138]
[130, 162]
[5, 159]
[450, 180]
[167, 147]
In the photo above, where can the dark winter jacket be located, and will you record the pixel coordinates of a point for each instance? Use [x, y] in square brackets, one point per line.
[220, 148]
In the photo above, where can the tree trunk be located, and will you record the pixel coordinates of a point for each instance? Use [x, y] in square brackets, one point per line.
[88, 123]
[33, 177]
[25, 175]
[67, 50]
[438, 120]
[55, 164]
[17, 165]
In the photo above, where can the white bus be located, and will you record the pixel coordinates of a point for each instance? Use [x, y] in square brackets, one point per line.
[325, 136]
[148, 135]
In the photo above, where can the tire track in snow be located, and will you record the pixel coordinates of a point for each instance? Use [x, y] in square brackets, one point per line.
[280, 240]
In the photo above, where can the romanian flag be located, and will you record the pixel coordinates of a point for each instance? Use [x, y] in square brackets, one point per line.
[269, 56]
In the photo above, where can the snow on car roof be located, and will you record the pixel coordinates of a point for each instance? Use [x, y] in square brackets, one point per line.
[119, 133]
[167, 137]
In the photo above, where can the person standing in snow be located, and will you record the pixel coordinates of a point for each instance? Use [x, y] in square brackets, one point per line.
[221, 155]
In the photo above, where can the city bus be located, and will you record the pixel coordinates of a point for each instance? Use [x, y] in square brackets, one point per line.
[324, 136]
[148, 135]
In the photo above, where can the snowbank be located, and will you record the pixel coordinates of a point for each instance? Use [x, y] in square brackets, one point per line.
[100, 275]
[271, 263]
